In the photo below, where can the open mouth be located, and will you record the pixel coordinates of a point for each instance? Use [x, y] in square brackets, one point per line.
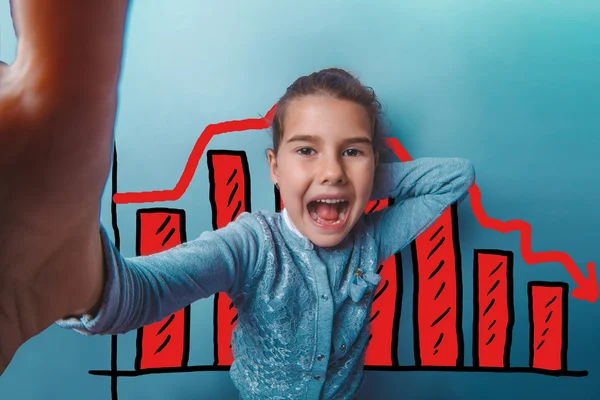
[328, 211]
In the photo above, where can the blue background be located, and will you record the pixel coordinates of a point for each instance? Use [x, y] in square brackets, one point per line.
[514, 86]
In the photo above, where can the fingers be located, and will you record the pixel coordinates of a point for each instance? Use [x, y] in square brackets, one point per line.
[69, 44]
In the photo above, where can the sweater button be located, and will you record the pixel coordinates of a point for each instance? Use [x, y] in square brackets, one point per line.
[320, 357]
[325, 297]
[317, 377]
[343, 347]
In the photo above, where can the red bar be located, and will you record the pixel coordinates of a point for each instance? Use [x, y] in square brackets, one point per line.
[548, 325]
[383, 341]
[229, 178]
[165, 343]
[437, 294]
[493, 310]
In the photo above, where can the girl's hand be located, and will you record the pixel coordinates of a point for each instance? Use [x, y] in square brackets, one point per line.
[57, 111]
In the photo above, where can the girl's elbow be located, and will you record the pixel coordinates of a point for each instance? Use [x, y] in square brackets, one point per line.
[466, 171]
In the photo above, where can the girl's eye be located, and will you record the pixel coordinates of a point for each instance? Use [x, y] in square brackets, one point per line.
[352, 152]
[305, 151]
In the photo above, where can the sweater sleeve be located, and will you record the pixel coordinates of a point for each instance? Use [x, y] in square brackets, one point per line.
[142, 290]
[422, 190]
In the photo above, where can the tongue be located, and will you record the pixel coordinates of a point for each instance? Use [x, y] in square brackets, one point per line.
[326, 211]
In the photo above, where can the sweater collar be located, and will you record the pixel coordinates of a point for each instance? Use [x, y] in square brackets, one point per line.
[308, 245]
[290, 224]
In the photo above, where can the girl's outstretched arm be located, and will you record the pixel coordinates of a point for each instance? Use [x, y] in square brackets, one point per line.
[422, 189]
[143, 290]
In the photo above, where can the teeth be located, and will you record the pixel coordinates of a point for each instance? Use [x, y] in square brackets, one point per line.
[330, 201]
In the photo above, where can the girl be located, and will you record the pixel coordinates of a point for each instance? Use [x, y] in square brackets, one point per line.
[302, 280]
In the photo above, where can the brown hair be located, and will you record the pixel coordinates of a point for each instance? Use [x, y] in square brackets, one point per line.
[339, 84]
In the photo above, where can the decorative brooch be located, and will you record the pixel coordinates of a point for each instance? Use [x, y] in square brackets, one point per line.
[359, 283]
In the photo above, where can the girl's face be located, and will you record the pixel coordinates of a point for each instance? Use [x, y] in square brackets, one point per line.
[324, 166]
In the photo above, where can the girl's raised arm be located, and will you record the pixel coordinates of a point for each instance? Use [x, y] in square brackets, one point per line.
[422, 190]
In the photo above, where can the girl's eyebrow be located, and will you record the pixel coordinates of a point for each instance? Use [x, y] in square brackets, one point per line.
[358, 139]
[311, 138]
[303, 138]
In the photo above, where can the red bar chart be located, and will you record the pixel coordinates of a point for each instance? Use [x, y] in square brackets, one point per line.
[436, 313]
[437, 294]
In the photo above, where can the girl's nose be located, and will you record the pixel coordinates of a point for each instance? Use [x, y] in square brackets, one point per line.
[332, 171]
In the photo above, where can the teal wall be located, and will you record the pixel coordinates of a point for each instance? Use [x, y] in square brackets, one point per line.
[512, 85]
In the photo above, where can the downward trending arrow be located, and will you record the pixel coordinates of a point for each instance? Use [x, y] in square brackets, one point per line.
[587, 288]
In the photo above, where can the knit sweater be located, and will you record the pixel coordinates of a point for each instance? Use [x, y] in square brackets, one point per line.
[303, 310]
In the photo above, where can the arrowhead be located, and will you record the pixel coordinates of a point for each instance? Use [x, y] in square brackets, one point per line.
[587, 288]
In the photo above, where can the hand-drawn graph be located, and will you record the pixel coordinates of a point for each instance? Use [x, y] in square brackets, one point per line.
[164, 347]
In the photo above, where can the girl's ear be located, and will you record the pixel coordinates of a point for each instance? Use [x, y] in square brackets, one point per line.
[272, 160]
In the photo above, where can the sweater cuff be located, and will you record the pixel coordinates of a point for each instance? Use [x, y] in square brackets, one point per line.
[99, 323]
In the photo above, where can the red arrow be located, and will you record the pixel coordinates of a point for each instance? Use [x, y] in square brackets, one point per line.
[587, 288]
